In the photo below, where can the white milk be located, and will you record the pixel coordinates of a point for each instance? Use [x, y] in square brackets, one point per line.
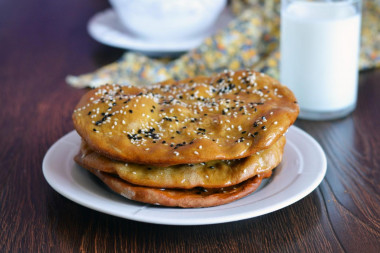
[319, 54]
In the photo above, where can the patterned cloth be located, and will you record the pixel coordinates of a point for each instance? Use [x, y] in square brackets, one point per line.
[251, 40]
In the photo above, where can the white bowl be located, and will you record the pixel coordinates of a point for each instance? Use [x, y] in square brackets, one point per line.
[168, 19]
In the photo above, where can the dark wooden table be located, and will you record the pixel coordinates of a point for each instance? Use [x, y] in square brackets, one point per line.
[43, 41]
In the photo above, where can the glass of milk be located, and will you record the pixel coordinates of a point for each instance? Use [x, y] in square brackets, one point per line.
[319, 55]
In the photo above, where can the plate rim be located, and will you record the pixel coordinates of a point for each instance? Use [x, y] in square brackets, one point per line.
[141, 45]
[199, 221]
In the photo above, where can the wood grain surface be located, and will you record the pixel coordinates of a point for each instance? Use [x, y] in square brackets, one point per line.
[43, 41]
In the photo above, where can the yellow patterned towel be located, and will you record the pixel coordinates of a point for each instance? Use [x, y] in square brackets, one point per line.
[251, 40]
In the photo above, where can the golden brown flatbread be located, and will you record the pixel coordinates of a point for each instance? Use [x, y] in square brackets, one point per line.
[228, 116]
[213, 174]
[198, 197]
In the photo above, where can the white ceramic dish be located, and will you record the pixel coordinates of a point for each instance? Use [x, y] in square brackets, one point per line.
[106, 28]
[168, 19]
[301, 171]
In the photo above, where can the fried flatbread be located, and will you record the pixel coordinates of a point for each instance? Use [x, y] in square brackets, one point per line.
[228, 116]
[213, 174]
[198, 197]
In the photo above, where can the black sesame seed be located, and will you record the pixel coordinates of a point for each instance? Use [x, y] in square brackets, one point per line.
[130, 111]
[263, 127]
[89, 113]
[255, 124]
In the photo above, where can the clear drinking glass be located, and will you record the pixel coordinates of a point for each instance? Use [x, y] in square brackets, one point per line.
[319, 55]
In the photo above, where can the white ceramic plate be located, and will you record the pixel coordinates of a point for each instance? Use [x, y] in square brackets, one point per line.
[106, 28]
[301, 171]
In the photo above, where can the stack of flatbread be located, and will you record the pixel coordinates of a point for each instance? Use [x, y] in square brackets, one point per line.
[198, 142]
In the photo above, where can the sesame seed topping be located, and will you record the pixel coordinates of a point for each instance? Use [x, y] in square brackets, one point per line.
[204, 108]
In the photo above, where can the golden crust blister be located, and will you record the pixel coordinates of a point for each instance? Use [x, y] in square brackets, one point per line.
[228, 116]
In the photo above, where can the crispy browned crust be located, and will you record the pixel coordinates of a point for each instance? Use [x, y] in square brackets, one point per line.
[199, 197]
[213, 174]
[226, 117]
